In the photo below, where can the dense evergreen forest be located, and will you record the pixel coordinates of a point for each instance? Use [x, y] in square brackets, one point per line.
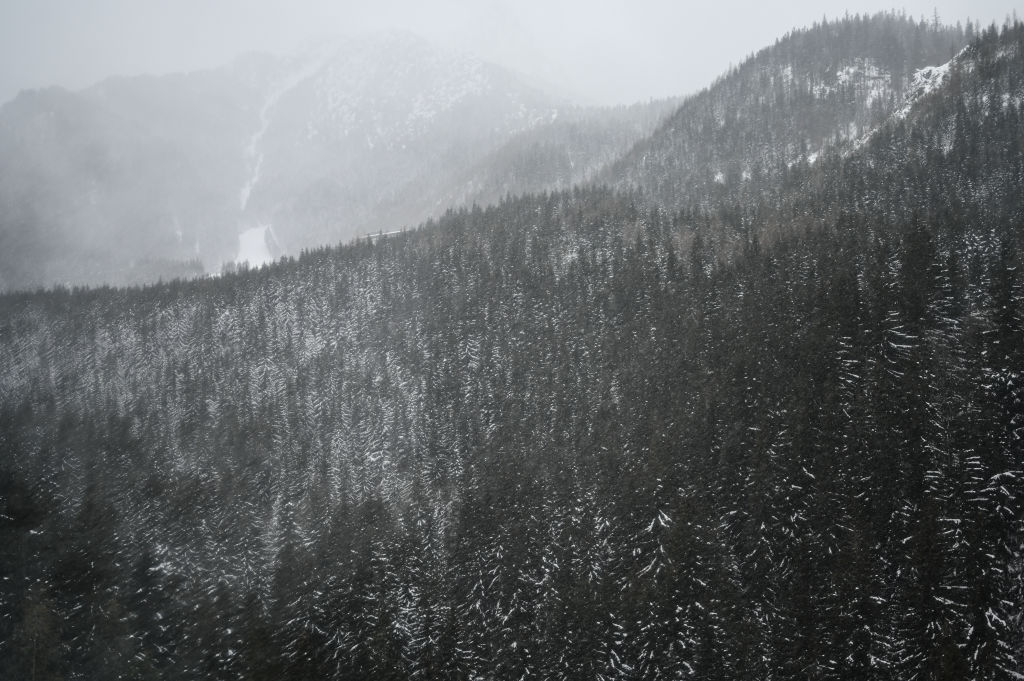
[575, 435]
[813, 90]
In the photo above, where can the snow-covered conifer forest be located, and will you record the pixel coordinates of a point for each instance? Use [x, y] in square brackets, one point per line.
[729, 387]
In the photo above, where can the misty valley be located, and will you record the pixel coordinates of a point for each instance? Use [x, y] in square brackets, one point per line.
[378, 361]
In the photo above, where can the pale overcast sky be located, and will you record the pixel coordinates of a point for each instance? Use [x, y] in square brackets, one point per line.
[605, 51]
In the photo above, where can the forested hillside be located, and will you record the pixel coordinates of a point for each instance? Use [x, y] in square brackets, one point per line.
[813, 90]
[574, 435]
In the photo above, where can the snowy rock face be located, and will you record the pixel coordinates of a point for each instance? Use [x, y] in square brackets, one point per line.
[925, 81]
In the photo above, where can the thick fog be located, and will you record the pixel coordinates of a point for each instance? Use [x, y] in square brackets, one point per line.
[603, 51]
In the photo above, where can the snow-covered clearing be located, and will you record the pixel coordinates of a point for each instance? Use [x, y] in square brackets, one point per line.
[252, 246]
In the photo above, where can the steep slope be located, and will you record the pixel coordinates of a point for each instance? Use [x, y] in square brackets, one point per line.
[554, 438]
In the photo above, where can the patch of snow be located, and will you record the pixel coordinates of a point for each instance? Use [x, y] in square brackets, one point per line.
[1007, 52]
[925, 81]
[254, 176]
[252, 246]
[864, 77]
[787, 74]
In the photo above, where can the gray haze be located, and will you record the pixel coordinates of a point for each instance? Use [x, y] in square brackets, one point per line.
[598, 51]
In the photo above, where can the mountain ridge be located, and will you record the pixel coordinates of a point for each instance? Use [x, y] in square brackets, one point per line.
[851, 75]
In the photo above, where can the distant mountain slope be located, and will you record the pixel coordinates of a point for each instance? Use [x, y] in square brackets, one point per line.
[571, 150]
[349, 137]
[138, 178]
[370, 139]
[814, 89]
[71, 175]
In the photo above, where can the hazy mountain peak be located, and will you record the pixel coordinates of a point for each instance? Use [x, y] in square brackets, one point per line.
[346, 135]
